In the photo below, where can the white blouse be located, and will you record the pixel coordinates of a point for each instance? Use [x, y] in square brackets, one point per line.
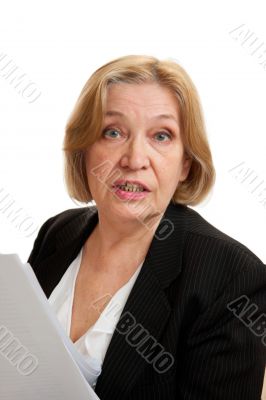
[94, 343]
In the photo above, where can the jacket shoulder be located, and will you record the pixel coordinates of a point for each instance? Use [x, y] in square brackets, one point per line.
[200, 230]
[213, 262]
[54, 224]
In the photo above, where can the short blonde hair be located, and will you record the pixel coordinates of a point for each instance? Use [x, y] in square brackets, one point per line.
[85, 123]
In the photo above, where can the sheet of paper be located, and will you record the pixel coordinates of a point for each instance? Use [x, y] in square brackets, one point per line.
[37, 359]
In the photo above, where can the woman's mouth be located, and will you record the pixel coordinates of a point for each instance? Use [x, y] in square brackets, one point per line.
[131, 188]
[125, 193]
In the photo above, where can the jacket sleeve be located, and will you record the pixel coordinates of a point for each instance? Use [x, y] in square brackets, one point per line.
[226, 346]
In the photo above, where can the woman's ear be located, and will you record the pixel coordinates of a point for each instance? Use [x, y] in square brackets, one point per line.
[186, 168]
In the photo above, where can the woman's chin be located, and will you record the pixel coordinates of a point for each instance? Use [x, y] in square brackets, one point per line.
[125, 211]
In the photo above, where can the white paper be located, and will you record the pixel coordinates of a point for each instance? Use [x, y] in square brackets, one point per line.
[38, 361]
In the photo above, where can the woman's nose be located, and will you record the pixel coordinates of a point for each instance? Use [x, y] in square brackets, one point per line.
[135, 155]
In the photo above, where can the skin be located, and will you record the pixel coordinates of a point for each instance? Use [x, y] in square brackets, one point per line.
[137, 148]
[137, 145]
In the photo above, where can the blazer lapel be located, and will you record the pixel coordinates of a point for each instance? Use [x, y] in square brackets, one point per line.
[147, 302]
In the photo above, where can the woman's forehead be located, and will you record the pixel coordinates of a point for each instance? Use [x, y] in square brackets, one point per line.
[149, 97]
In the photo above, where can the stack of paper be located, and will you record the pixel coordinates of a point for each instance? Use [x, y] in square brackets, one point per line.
[37, 359]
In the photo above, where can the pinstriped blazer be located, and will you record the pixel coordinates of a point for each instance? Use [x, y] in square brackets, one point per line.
[194, 324]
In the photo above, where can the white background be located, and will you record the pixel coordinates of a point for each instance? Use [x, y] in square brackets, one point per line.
[60, 44]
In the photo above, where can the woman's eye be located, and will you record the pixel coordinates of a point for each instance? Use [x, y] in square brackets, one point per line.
[164, 134]
[110, 130]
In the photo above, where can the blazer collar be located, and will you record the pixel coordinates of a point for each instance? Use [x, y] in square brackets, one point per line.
[147, 301]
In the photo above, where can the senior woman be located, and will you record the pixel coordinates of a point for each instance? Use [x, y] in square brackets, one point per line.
[163, 303]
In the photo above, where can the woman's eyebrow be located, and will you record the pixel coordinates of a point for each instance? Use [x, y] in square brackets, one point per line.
[160, 116]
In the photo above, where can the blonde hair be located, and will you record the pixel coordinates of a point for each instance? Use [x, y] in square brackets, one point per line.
[84, 125]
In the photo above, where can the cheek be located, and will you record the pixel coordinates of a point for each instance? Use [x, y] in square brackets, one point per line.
[98, 168]
[94, 159]
[169, 166]
[169, 173]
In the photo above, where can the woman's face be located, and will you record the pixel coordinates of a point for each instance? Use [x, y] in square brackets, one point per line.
[140, 144]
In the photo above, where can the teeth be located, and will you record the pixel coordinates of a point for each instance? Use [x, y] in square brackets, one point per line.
[131, 188]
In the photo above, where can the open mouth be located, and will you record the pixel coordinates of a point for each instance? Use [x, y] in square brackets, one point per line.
[132, 189]
[131, 185]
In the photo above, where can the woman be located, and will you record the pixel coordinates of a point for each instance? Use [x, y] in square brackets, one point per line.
[145, 287]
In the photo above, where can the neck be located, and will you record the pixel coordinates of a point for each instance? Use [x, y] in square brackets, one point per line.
[120, 242]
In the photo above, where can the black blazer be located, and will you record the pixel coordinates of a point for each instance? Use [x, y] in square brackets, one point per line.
[187, 330]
